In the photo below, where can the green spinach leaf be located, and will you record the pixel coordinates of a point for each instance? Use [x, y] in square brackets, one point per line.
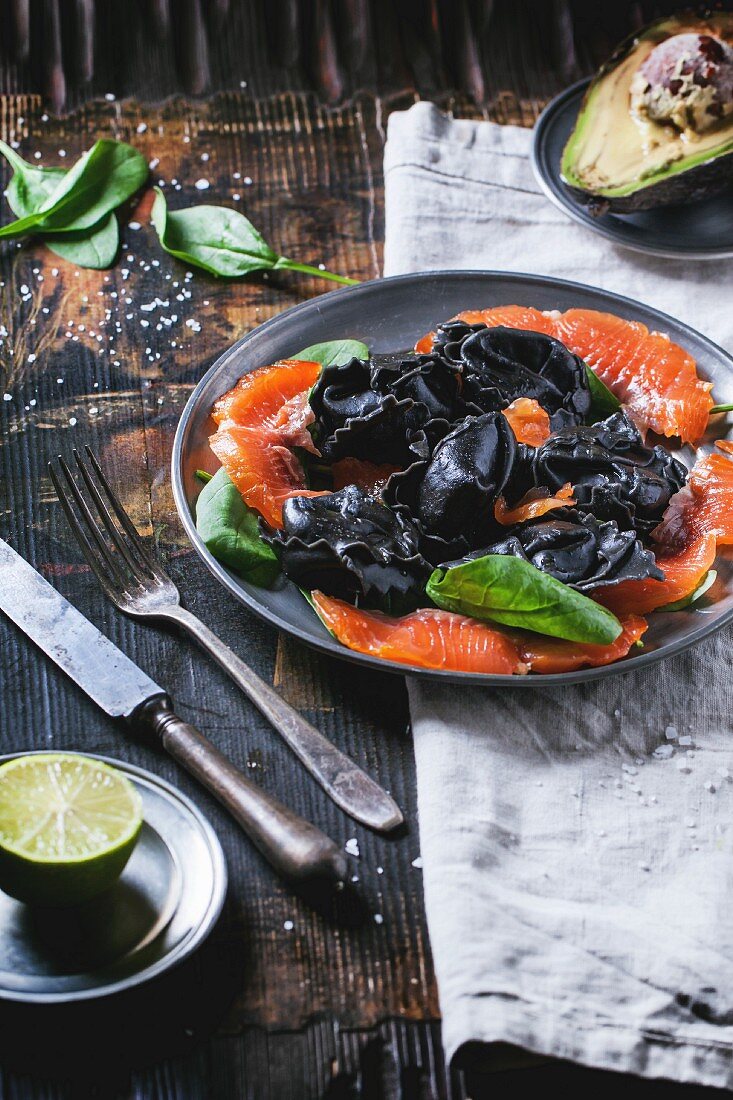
[222, 242]
[334, 352]
[721, 409]
[100, 180]
[28, 189]
[230, 531]
[603, 402]
[514, 592]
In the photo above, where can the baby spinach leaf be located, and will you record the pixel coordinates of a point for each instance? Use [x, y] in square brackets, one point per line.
[334, 353]
[100, 180]
[95, 248]
[692, 597]
[230, 531]
[28, 189]
[222, 242]
[603, 402]
[514, 592]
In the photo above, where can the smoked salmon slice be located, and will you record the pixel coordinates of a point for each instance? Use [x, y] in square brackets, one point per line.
[655, 379]
[535, 503]
[265, 472]
[261, 420]
[703, 507]
[683, 571]
[428, 638]
[528, 420]
[367, 475]
[555, 655]
[258, 397]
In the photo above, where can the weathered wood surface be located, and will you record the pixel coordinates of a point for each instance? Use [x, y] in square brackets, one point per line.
[74, 51]
[341, 1004]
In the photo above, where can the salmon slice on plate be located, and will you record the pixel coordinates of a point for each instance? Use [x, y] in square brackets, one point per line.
[655, 379]
[261, 420]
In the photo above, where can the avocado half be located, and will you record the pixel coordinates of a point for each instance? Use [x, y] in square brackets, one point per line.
[620, 159]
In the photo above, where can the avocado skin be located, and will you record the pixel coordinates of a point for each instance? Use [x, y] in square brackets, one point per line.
[703, 181]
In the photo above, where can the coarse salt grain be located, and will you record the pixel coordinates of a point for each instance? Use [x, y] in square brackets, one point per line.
[671, 733]
[202, 185]
[417, 862]
[378, 918]
[288, 925]
[352, 846]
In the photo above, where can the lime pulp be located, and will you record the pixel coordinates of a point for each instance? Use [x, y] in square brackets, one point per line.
[68, 825]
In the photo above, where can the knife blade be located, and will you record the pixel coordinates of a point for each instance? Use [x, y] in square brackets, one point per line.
[295, 847]
[110, 678]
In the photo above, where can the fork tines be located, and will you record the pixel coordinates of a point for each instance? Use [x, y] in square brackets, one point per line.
[101, 526]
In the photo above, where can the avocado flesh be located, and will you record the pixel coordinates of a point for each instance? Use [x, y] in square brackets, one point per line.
[622, 160]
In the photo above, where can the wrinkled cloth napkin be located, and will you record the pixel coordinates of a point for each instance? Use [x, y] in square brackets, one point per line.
[577, 843]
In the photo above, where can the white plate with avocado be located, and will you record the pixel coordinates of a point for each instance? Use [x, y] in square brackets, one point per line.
[698, 230]
[163, 905]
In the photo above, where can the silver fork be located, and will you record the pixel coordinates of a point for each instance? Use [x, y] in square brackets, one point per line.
[137, 585]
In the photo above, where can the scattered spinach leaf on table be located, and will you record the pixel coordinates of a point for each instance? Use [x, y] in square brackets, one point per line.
[103, 178]
[514, 592]
[603, 402]
[230, 531]
[223, 242]
[28, 189]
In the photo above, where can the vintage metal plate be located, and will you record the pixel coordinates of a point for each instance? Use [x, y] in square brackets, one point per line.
[692, 231]
[389, 314]
[163, 907]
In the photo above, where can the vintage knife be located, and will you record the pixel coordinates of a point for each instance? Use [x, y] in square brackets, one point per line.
[295, 847]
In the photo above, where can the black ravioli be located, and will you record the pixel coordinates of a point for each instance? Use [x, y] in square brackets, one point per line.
[450, 494]
[614, 476]
[578, 550]
[366, 409]
[349, 545]
[501, 364]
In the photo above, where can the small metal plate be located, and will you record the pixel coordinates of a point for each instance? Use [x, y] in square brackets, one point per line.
[164, 905]
[692, 231]
[389, 314]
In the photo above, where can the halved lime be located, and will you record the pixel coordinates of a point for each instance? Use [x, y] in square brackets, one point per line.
[68, 825]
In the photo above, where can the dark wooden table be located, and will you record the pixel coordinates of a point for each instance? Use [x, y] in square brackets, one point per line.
[291, 997]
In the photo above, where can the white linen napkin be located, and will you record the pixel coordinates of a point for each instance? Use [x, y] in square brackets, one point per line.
[577, 843]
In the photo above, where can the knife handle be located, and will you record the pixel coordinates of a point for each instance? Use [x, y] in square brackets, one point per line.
[296, 849]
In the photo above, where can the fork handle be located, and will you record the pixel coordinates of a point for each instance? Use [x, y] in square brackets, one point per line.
[296, 849]
[344, 781]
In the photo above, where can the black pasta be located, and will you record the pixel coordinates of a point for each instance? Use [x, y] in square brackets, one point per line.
[614, 476]
[364, 409]
[501, 364]
[349, 545]
[578, 550]
[450, 494]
